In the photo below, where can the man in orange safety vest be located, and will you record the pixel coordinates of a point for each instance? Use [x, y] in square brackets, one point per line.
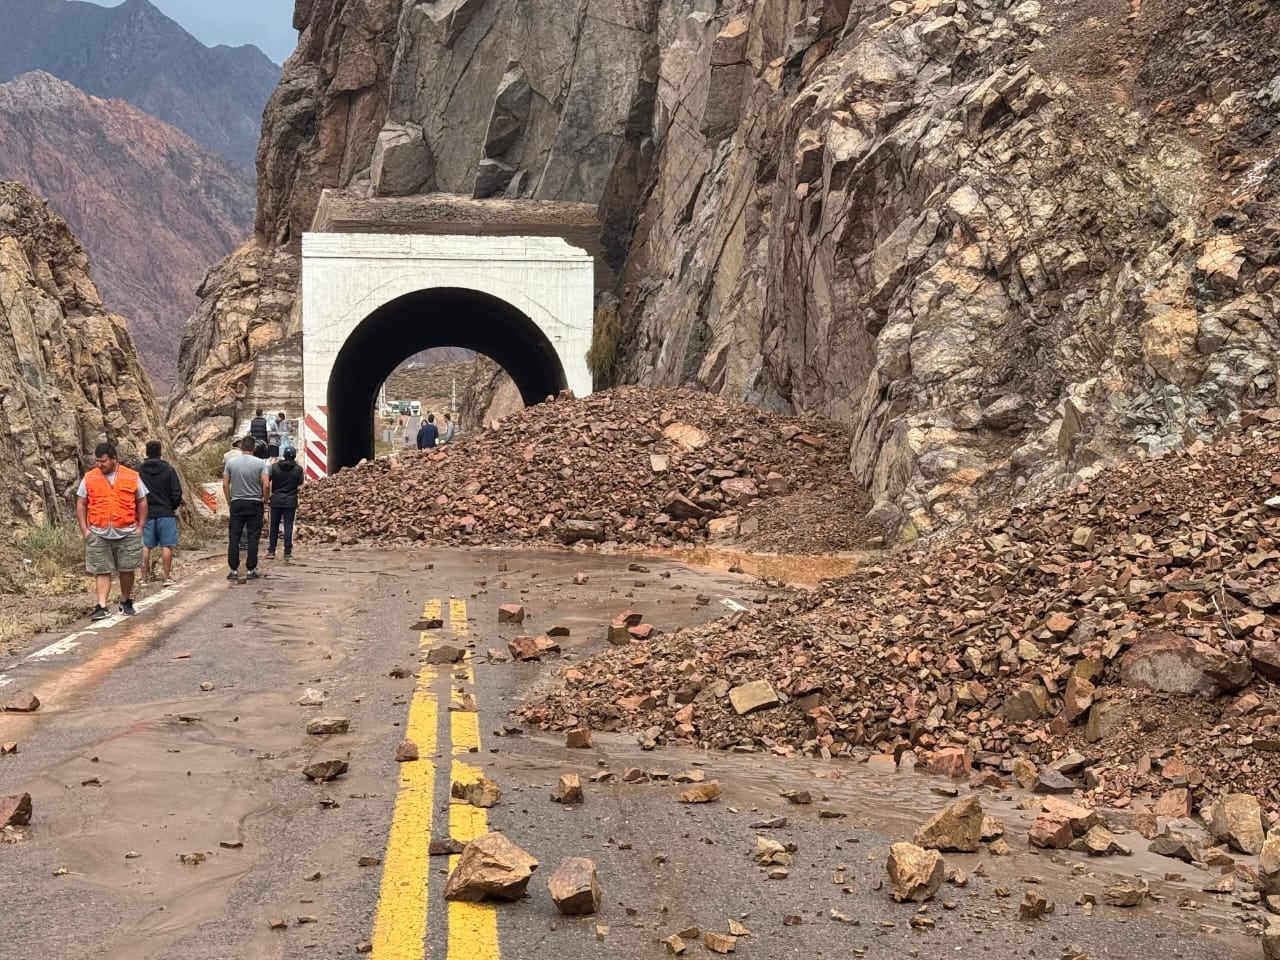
[111, 505]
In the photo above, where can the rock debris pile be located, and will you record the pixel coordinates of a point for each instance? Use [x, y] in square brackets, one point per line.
[1117, 637]
[632, 466]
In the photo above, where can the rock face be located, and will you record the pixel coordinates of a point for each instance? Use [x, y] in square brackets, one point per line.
[69, 373]
[133, 52]
[904, 218]
[152, 206]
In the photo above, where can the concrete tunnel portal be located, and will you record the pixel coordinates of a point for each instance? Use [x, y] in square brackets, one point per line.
[384, 279]
[439, 317]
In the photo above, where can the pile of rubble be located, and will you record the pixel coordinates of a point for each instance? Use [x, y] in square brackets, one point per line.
[1124, 631]
[631, 466]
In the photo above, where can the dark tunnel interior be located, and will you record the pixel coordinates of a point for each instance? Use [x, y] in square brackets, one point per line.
[439, 317]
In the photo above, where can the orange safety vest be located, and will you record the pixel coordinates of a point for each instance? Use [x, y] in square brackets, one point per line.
[112, 506]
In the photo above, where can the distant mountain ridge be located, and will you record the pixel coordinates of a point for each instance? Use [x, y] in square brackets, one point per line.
[152, 207]
[134, 52]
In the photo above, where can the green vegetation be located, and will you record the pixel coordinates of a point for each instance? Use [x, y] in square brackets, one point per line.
[205, 466]
[605, 356]
[51, 547]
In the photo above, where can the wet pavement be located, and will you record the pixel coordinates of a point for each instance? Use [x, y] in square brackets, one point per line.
[133, 767]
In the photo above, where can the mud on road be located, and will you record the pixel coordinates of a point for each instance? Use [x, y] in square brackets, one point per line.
[172, 818]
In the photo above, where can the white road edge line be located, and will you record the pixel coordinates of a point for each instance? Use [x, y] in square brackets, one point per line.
[5, 680]
[72, 640]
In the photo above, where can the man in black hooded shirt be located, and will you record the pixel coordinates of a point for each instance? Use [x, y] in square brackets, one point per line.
[286, 478]
[164, 497]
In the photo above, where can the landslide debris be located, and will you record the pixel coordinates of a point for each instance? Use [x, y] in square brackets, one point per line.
[1116, 636]
[635, 466]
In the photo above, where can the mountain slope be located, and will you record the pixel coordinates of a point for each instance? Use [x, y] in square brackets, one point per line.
[152, 207]
[69, 372]
[136, 53]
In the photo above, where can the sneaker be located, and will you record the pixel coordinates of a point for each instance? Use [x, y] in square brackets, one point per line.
[169, 581]
[233, 575]
[271, 554]
[288, 556]
[254, 575]
[99, 613]
[126, 607]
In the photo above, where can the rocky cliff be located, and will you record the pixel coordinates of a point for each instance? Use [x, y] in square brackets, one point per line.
[152, 207]
[69, 373]
[132, 51]
[1001, 239]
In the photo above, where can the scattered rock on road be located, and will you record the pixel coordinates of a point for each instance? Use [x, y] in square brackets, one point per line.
[327, 726]
[407, 752]
[915, 874]
[957, 828]
[511, 613]
[701, 793]
[579, 738]
[490, 868]
[322, 771]
[15, 810]
[568, 790]
[482, 793]
[575, 887]
[24, 701]
[1035, 907]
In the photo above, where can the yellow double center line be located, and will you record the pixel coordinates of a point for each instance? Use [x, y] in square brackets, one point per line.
[473, 927]
[401, 927]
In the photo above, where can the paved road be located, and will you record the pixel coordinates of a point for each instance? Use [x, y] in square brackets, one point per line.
[132, 765]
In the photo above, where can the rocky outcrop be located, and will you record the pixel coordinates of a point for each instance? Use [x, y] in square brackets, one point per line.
[1000, 239]
[69, 374]
[133, 52]
[152, 207]
[945, 224]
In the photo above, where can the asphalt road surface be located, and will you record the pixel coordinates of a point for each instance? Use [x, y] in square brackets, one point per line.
[172, 819]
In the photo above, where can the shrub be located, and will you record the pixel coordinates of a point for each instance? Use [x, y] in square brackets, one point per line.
[605, 356]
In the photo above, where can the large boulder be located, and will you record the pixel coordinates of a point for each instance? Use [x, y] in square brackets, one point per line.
[958, 828]
[574, 887]
[1168, 663]
[915, 874]
[490, 868]
[1237, 820]
[401, 163]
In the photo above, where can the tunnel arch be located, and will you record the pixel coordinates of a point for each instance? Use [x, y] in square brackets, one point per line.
[421, 320]
[371, 300]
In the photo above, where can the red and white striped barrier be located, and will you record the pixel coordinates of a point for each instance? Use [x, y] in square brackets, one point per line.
[316, 452]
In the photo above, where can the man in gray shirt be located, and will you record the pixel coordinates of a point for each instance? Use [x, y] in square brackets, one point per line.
[246, 482]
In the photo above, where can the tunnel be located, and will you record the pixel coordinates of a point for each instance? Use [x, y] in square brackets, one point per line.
[438, 317]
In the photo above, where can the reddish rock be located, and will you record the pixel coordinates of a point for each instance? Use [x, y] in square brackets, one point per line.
[1051, 832]
[24, 701]
[511, 613]
[575, 887]
[524, 649]
[15, 811]
[579, 738]
[1174, 804]
[491, 867]
[1170, 663]
[955, 764]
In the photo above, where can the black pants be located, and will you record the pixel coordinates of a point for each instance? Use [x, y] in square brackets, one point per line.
[280, 515]
[246, 518]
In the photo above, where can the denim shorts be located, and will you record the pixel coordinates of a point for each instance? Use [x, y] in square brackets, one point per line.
[160, 532]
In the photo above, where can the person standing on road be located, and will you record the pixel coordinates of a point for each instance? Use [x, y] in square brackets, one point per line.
[246, 483]
[258, 427]
[111, 505]
[450, 429]
[164, 497]
[284, 441]
[428, 434]
[286, 478]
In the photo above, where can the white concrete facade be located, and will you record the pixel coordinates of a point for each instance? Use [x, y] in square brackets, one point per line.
[348, 276]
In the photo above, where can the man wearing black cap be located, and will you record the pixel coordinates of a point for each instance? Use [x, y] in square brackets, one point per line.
[286, 478]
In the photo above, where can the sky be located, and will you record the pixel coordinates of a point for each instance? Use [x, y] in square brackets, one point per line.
[268, 24]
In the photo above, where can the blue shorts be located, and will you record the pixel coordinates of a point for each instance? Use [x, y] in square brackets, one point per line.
[160, 532]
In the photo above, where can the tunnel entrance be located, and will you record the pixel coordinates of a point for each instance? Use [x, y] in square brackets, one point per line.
[422, 320]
